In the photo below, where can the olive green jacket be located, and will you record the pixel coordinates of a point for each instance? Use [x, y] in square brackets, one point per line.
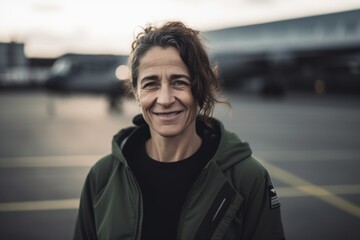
[232, 198]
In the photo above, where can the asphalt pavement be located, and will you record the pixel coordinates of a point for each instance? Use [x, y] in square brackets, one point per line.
[310, 145]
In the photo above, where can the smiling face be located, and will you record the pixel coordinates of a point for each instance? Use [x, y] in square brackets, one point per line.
[164, 93]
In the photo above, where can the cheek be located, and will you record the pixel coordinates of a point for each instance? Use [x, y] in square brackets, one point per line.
[141, 95]
[144, 98]
[190, 101]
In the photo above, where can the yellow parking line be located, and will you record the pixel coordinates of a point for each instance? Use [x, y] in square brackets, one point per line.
[334, 189]
[61, 204]
[49, 161]
[311, 189]
[299, 186]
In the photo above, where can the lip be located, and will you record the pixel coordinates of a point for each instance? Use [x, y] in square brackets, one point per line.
[167, 115]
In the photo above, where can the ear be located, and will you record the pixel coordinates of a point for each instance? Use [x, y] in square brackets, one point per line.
[216, 71]
[136, 95]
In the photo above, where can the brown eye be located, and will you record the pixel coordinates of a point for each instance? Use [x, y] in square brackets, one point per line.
[180, 83]
[150, 85]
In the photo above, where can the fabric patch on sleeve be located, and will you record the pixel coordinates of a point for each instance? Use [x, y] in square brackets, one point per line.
[274, 200]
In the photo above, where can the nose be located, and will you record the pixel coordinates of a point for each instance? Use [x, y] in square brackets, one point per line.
[165, 96]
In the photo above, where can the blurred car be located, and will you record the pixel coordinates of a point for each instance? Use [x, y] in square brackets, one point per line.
[95, 74]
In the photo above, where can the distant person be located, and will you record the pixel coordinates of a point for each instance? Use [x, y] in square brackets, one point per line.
[177, 174]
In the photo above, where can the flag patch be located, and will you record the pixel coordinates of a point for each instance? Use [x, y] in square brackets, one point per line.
[274, 200]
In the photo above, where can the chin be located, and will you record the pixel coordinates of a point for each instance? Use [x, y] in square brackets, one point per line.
[170, 132]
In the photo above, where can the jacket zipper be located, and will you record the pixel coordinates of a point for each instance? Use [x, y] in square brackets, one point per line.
[187, 200]
[218, 209]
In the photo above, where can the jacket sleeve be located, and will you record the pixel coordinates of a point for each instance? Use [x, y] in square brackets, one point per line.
[262, 220]
[85, 225]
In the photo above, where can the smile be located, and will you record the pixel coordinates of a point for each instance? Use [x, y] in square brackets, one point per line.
[168, 114]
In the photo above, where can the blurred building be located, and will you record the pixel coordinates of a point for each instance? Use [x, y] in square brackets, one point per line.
[17, 71]
[12, 55]
[317, 53]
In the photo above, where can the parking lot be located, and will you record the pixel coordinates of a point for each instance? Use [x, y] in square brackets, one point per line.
[310, 145]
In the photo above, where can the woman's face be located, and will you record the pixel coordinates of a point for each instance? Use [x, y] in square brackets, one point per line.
[164, 93]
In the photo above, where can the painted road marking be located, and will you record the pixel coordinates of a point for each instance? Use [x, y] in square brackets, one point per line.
[311, 189]
[50, 161]
[310, 155]
[283, 192]
[299, 187]
[333, 189]
[60, 204]
[89, 160]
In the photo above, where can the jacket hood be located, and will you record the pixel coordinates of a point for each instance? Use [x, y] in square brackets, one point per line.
[230, 150]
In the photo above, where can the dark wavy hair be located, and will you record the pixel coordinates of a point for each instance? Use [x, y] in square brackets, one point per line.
[205, 83]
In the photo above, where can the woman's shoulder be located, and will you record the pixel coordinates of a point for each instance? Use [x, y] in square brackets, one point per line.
[106, 162]
[102, 169]
[246, 166]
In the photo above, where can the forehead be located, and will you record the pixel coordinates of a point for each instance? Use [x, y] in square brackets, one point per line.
[161, 57]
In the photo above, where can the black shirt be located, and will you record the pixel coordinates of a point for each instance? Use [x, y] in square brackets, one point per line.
[164, 186]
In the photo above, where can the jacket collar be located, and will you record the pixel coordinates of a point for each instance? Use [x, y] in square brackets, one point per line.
[230, 150]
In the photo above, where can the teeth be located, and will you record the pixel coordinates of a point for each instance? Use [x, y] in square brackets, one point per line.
[168, 114]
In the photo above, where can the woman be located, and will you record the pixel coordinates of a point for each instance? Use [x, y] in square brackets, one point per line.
[177, 174]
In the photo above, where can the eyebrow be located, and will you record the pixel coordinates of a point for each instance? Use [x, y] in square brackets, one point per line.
[174, 76]
[150, 77]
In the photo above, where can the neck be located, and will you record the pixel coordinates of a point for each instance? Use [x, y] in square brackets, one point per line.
[166, 149]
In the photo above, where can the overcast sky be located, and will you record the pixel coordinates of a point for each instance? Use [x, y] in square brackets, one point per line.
[50, 28]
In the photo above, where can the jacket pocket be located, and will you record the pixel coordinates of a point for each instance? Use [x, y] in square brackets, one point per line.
[220, 214]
